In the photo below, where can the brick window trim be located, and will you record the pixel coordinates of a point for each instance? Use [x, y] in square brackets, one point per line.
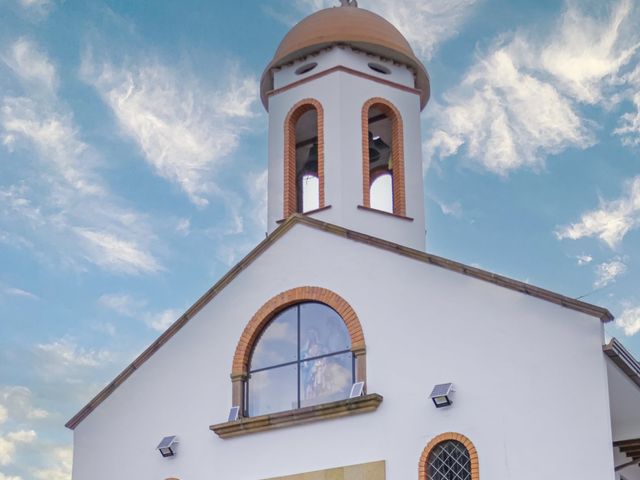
[458, 437]
[397, 146]
[252, 331]
[299, 109]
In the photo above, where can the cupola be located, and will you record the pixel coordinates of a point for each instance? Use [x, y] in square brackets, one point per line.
[344, 92]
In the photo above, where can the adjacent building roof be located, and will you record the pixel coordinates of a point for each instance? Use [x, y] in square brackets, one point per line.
[346, 25]
[624, 360]
[586, 308]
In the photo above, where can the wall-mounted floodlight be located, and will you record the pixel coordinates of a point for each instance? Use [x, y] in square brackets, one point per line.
[167, 447]
[441, 395]
[234, 413]
[357, 390]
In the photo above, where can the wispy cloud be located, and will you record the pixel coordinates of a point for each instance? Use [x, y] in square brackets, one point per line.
[18, 292]
[425, 24]
[608, 272]
[611, 221]
[63, 203]
[584, 259]
[37, 9]
[629, 321]
[629, 125]
[65, 353]
[28, 62]
[121, 303]
[519, 102]
[117, 255]
[184, 130]
[162, 320]
[126, 305]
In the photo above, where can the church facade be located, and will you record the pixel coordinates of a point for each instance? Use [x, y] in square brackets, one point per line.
[338, 349]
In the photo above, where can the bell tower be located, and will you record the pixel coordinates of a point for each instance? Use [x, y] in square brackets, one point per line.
[344, 93]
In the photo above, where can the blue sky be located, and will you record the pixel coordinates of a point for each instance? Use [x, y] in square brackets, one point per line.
[133, 157]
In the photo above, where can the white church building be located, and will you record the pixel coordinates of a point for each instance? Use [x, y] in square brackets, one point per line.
[338, 349]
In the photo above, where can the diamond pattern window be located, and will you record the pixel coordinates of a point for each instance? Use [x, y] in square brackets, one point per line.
[449, 460]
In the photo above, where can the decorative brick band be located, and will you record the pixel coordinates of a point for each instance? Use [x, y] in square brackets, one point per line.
[290, 194]
[397, 149]
[473, 454]
[285, 299]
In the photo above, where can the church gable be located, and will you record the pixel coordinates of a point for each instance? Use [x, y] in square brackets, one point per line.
[319, 227]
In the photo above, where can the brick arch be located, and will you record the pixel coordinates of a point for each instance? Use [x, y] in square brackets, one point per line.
[283, 300]
[397, 139]
[458, 437]
[299, 109]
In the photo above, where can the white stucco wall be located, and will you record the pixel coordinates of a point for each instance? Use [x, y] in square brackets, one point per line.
[530, 378]
[342, 96]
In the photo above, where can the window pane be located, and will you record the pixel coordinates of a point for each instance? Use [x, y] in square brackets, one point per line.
[449, 460]
[322, 331]
[274, 390]
[279, 342]
[310, 193]
[326, 380]
[382, 193]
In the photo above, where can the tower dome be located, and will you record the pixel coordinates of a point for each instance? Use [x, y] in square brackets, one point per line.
[354, 26]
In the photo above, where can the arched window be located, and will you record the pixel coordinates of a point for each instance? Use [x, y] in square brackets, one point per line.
[304, 158]
[303, 347]
[383, 157]
[302, 358]
[449, 456]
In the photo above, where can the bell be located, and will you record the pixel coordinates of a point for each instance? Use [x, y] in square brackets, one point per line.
[379, 152]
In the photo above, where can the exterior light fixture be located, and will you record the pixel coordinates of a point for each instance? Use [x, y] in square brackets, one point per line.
[167, 447]
[234, 413]
[441, 395]
[357, 390]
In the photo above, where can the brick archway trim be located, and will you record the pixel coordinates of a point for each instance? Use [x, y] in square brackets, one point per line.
[458, 437]
[397, 149]
[283, 300]
[299, 109]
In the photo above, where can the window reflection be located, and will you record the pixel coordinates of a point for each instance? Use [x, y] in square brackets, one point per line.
[273, 390]
[302, 358]
[326, 380]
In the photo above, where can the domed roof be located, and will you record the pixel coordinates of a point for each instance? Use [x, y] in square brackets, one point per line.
[355, 26]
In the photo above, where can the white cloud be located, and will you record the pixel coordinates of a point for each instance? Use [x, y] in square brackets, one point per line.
[18, 292]
[66, 353]
[519, 102]
[4, 414]
[17, 402]
[612, 221]
[184, 130]
[54, 136]
[121, 303]
[425, 24]
[38, 9]
[9, 477]
[585, 50]
[607, 272]
[9, 443]
[584, 259]
[257, 187]
[629, 321]
[629, 126]
[30, 64]
[117, 255]
[162, 320]
[61, 201]
[62, 465]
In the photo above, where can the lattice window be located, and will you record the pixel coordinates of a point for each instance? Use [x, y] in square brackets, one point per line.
[449, 460]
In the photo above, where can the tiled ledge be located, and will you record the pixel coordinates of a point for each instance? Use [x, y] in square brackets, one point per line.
[341, 408]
